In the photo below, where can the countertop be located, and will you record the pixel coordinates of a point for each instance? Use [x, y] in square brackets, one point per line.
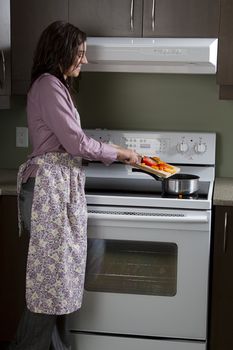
[223, 189]
[8, 178]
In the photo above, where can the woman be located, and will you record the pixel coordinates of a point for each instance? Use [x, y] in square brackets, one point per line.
[51, 190]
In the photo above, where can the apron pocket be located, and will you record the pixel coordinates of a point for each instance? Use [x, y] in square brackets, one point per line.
[25, 203]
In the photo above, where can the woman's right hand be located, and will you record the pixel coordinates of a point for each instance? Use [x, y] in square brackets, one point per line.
[127, 156]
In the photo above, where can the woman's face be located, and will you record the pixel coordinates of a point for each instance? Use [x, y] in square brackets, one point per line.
[81, 58]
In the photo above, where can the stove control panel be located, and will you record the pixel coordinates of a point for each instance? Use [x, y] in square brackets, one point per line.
[172, 147]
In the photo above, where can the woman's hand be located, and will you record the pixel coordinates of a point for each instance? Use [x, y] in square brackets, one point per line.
[127, 156]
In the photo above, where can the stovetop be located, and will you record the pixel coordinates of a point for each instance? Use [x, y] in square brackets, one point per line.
[151, 199]
[138, 186]
[137, 194]
[114, 185]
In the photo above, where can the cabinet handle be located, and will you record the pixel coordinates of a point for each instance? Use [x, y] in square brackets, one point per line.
[225, 233]
[131, 15]
[153, 15]
[2, 84]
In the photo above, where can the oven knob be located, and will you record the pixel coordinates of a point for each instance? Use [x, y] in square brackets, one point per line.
[182, 147]
[200, 148]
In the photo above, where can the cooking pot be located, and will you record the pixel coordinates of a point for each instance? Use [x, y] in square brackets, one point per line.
[177, 184]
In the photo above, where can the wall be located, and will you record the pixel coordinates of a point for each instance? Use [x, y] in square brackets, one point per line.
[140, 102]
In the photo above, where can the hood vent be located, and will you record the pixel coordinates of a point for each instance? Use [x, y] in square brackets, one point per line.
[152, 55]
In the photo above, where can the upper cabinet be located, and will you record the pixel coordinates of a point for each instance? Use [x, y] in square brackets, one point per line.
[225, 50]
[29, 18]
[5, 45]
[148, 18]
[107, 17]
[181, 18]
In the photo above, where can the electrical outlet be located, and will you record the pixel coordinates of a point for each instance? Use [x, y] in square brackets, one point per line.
[21, 137]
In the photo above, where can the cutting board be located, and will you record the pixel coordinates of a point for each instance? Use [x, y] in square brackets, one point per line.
[160, 173]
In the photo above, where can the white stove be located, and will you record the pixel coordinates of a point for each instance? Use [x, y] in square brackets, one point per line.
[148, 256]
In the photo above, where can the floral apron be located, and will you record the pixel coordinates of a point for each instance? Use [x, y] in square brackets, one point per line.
[58, 244]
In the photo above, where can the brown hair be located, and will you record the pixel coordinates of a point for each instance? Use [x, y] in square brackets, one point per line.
[56, 50]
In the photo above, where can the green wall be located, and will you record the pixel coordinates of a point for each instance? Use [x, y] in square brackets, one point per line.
[139, 102]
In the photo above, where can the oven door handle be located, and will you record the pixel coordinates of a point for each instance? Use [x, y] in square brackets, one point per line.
[201, 218]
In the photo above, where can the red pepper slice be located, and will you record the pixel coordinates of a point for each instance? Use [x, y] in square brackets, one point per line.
[148, 161]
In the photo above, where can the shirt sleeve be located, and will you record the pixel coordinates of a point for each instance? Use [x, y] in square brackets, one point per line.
[58, 113]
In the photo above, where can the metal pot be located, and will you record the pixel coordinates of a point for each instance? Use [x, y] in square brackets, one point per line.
[178, 184]
[184, 184]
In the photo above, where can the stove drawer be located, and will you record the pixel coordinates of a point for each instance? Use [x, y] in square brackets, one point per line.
[82, 341]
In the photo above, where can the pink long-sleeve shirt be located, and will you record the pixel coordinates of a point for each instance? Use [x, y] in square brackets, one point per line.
[54, 125]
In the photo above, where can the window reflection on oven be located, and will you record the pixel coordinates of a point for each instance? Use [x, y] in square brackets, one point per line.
[134, 267]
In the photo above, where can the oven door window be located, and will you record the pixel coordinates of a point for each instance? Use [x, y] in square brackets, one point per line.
[132, 267]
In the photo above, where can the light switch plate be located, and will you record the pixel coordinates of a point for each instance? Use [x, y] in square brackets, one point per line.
[21, 137]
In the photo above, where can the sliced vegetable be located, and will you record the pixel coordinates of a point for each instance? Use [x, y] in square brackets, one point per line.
[148, 161]
[158, 164]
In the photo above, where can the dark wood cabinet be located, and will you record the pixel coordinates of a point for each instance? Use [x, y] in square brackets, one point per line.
[221, 310]
[5, 54]
[181, 18]
[12, 262]
[148, 18]
[225, 50]
[28, 19]
[107, 17]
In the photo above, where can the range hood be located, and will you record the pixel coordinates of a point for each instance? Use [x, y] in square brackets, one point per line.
[152, 55]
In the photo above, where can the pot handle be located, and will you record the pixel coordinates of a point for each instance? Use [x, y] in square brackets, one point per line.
[156, 177]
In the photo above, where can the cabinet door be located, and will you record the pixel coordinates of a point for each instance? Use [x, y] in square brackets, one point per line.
[29, 18]
[181, 18]
[225, 50]
[222, 282]
[12, 261]
[5, 68]
[107, 17]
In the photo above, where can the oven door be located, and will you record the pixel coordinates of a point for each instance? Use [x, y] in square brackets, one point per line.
[147, 273]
